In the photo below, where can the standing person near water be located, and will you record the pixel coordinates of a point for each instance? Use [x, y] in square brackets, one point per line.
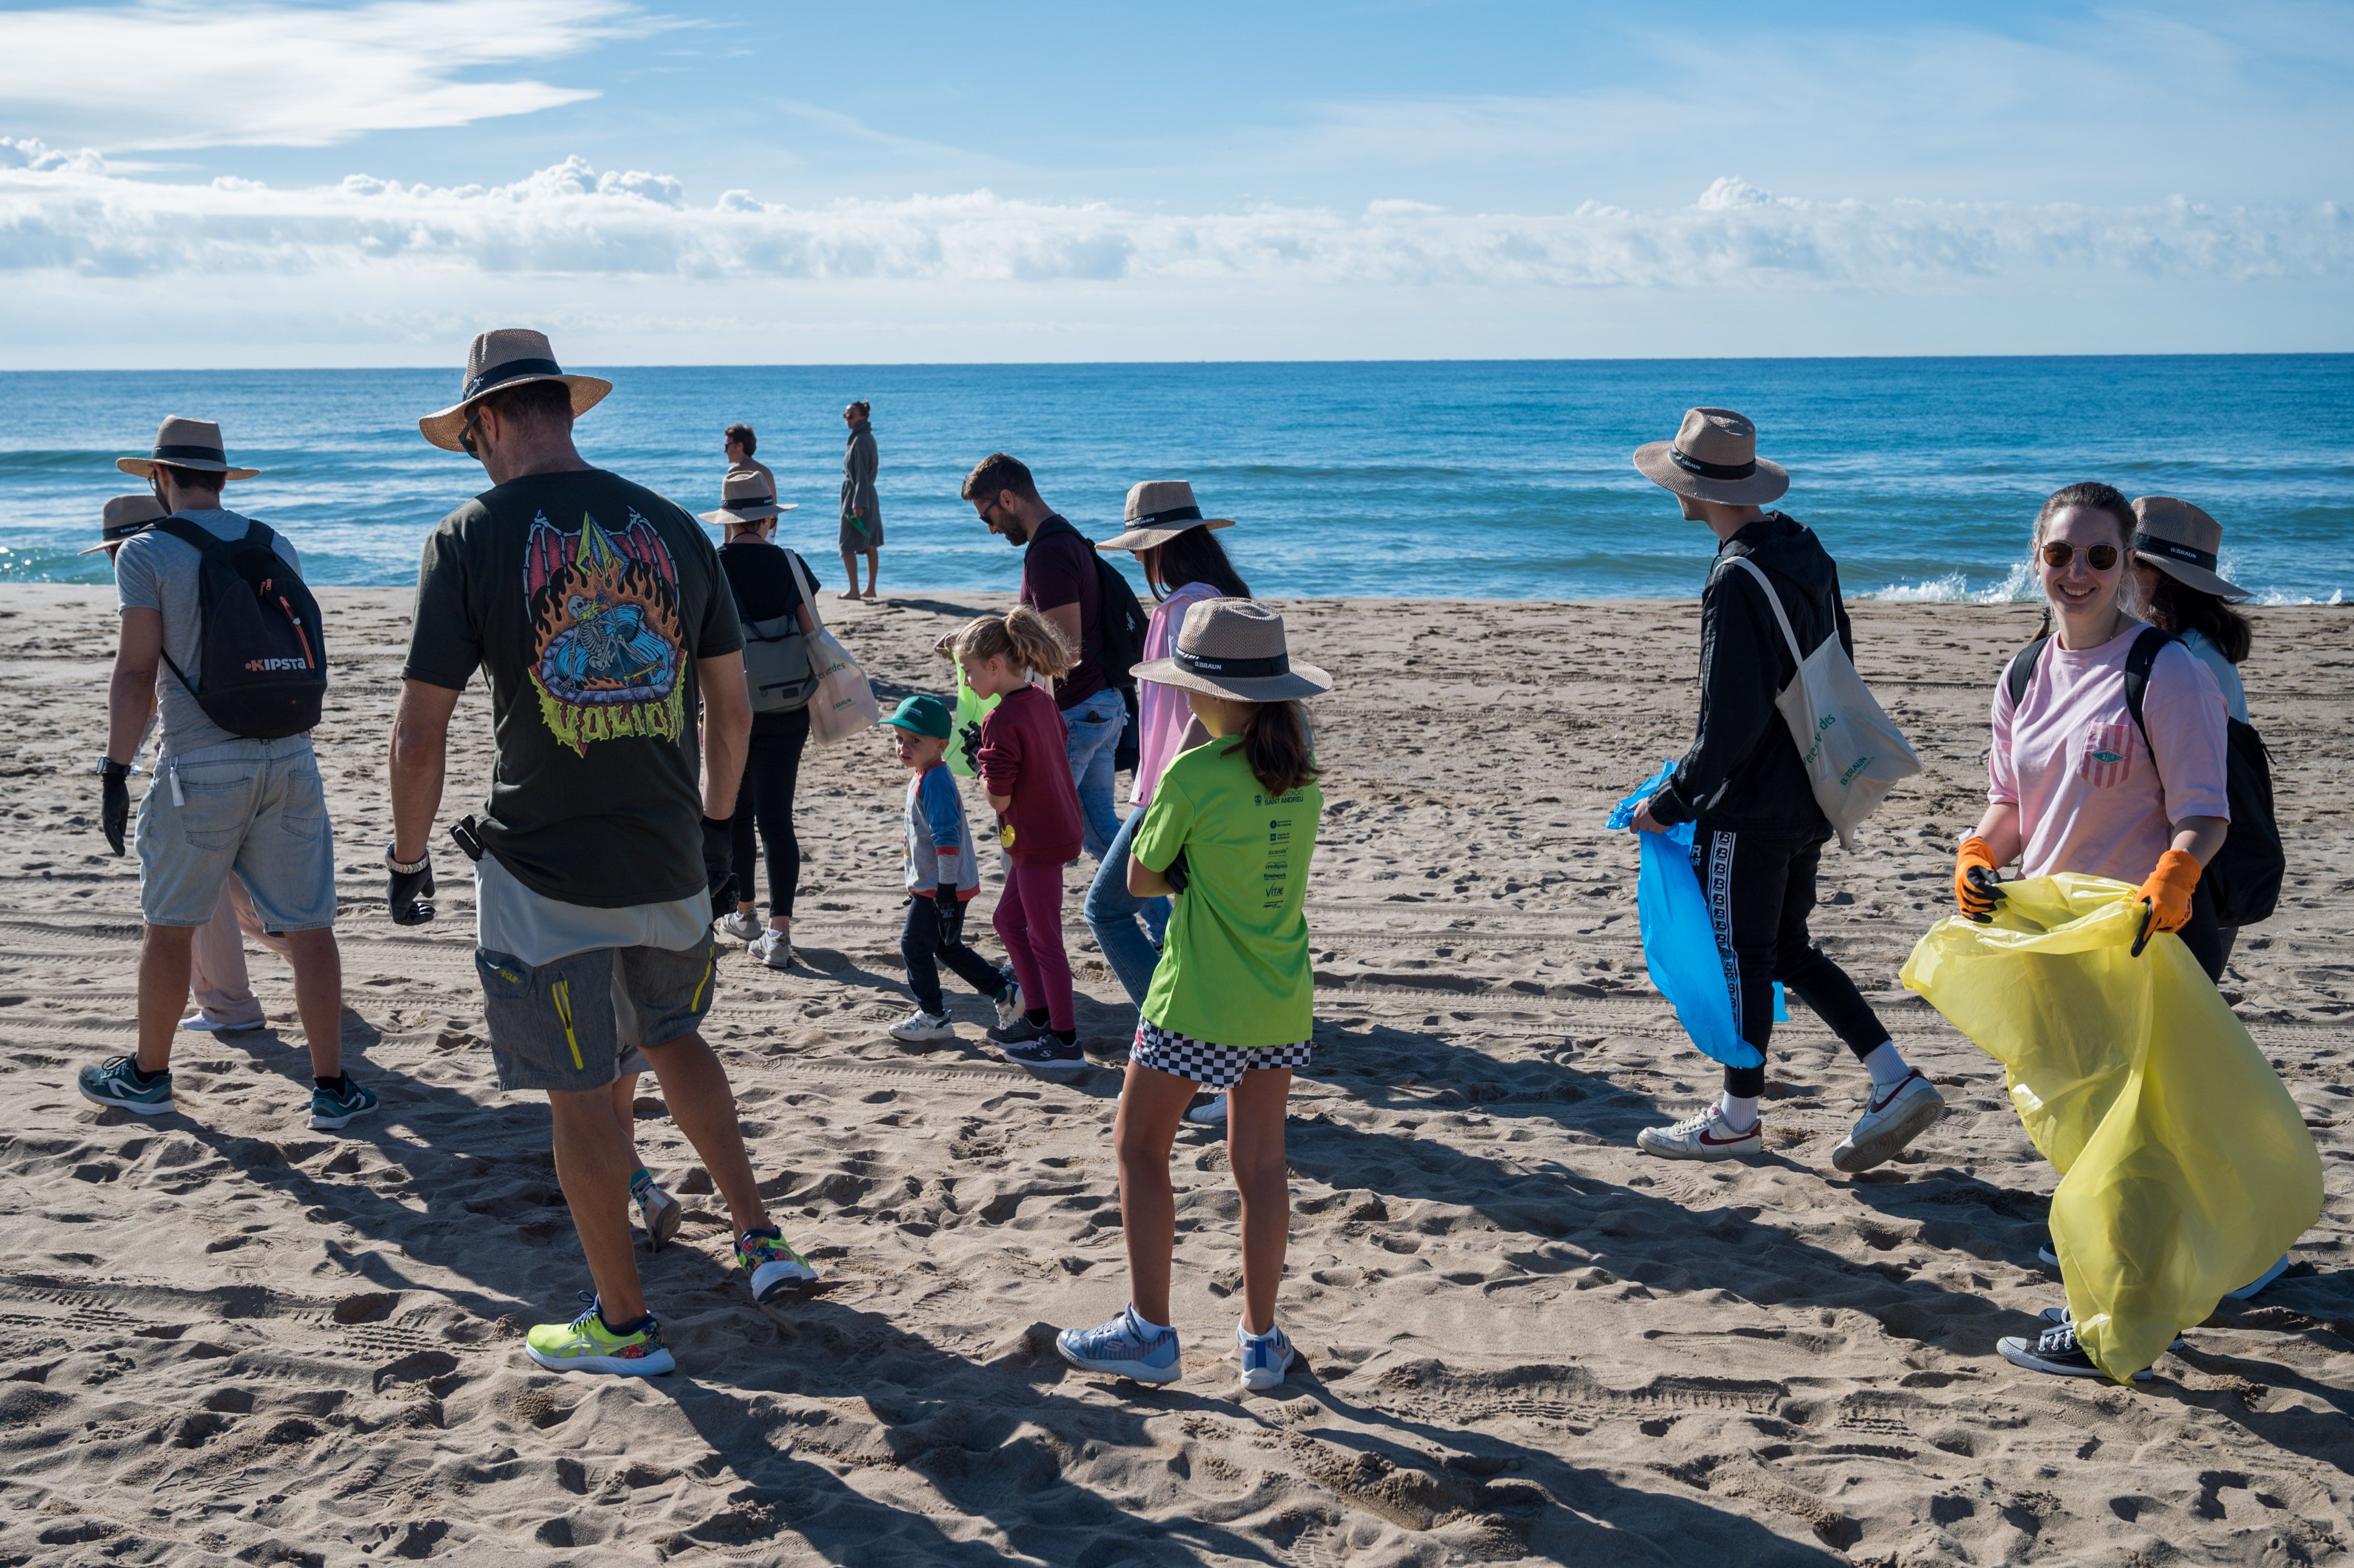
[597, 613]
[1759, 835]
[740, 443]
[1230, 833]
[862, 508]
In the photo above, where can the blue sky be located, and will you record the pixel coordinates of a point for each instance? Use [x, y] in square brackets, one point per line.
[251, 183]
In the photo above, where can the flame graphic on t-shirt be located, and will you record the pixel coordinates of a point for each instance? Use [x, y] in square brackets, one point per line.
[605, 633]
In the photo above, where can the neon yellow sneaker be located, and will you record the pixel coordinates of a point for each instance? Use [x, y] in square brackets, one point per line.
[774, 1265]
[584, 1344]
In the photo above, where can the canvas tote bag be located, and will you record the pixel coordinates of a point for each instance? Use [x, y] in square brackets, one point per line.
[844, 704]
[1855, 754]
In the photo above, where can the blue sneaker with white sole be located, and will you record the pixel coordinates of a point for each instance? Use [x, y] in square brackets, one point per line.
[333, 1108]
[117, 1082]
[1125, 1348]
[1266, 1358]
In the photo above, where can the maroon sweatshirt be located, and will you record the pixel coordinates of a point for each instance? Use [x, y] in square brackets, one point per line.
[1024, 753]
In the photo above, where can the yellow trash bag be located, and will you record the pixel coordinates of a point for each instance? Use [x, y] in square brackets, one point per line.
[2185, 1167]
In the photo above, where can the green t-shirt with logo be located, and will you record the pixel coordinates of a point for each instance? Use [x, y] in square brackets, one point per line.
[1234, 968]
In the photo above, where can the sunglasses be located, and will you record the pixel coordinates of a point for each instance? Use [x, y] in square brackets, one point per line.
[2100, 558]
[466, 435]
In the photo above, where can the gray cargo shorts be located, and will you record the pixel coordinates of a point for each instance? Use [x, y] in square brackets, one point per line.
[581, 1021]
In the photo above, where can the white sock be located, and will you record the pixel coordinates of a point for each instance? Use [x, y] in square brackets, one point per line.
[1740, 1112]
[1886, 1065]
[1145, 1323]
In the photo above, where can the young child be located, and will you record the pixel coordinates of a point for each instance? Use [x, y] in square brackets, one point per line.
[1025, 768]
[1230, 832]
[942, 875]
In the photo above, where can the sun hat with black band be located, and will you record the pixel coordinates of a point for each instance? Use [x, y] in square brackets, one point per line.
[1158, 511]
[501, 358]
[2182, 542]
[186, 443]
[124, 515]
[1713, 458]
[745, 497]
[1234, 648]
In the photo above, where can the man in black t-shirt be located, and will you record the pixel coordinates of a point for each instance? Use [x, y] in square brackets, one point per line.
[1059, 581]
[596, 610]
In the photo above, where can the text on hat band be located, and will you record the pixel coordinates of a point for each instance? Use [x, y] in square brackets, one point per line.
[1692, 465]
[1173, 514]
[2151, 545]
[1231, 669]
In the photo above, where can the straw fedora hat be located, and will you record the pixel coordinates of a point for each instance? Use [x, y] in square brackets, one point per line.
[124, 515]
[503, 357]
[745, 496]
[1234, 648]
[1713, 458]
[1158, 511]
[2182, 541]
[186, 443]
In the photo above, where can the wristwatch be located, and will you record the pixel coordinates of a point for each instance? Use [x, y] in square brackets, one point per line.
[108, 768]
[410, 868]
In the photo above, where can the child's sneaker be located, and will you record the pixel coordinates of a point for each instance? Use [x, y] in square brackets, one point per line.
[922, 1025]
[1123, 1348]
[774, 948]
[774, 1266]
[1009, 1004]
[331, 1108]
[584, 1344]
[1266, 1358]
[658, 1212]
[115, 1082]
[743, 925]
[1040, 1052]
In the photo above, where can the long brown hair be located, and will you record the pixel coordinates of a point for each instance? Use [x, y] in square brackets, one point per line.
[2175, 606]
[2092, 496]
[1024, 638]
[1274, 743]
[1193, 557]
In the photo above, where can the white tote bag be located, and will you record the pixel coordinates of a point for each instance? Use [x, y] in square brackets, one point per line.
[843, 703]
[1853, 752]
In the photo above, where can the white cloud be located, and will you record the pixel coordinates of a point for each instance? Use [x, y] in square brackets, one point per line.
[175, 73]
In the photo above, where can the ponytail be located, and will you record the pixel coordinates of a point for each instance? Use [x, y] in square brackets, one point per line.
[1024, 638]
[1274, 744]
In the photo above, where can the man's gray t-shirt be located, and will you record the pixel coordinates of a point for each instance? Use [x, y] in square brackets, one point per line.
[154, 571]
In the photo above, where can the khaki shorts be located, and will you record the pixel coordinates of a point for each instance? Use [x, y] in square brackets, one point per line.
[581, 1021]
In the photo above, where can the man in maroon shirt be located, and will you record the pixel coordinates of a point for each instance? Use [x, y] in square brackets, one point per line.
[1059, 581]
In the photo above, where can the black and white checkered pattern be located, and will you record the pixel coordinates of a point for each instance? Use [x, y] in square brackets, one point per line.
[1214, 1066]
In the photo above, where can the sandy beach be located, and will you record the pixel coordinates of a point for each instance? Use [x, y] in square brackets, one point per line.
[235, 1341]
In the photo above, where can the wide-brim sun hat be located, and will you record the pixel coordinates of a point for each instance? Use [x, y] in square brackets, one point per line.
[1234, 648]
[2182, 542]
[1713, 458]
[501, 358]
[745, 497]
[1158, 511]
[186, 443]
[124, 515]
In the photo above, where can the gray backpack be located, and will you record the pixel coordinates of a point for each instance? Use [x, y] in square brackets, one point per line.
[777, 665]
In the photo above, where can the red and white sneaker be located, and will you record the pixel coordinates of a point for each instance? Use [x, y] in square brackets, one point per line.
[1704, 1137]
[1891, 1118]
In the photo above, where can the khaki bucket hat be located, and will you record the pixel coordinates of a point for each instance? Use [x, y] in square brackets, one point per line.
[745, 497]
[1713, 458]
[2182, 541]
[1234, 648]
[186, 443]
[1158, 511]
[124, 515]
[503, 357]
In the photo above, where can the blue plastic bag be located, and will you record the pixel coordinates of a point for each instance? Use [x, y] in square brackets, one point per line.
[1678, 938]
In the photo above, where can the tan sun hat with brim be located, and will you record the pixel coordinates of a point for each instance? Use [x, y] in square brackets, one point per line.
[1714, 458]
[2182, 542]
[1158, 511]
[745, 497]
[186, 443]
[124, 515]
[501, 358]
[1234, 648]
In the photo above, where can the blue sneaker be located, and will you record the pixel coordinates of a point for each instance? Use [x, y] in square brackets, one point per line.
[331, 1108]
[1123, 1348]
[1266, 1358]
[1041, 1053]
[115, 1082]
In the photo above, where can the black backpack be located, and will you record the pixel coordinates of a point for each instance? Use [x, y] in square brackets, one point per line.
[261, 647]
[2244, 876]
[1119, 645]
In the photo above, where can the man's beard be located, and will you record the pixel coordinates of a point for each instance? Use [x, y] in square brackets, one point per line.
[1016, 534]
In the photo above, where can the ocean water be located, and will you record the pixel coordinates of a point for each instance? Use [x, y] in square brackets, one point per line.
[1507, 480]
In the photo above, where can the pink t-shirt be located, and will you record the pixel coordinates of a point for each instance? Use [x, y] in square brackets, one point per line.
[1162, 712]
[2073, 762]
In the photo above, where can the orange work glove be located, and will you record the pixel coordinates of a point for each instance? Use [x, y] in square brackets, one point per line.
[2167, 892]
[1977, 903]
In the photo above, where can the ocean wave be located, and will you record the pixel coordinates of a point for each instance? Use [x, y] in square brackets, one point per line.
[2018, 587]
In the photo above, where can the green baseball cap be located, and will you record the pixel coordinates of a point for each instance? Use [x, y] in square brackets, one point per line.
[923, 716]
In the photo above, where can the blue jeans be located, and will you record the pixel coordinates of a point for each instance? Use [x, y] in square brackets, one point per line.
[1112, 911]
[1092, 732]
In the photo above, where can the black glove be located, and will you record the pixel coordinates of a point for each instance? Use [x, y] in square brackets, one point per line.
[719, 865]
[949, 910]
[1177, 874]
[409, 895]
[968, 741]
[114, 812]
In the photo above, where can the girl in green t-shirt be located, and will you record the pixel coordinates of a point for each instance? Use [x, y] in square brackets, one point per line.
[1229, 832]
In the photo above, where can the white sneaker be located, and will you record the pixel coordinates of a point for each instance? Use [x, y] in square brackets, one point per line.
[1891, 1118]
[922, 1025]
[742, 925]
[1009, 1005]
[1702, 1137]
[1266, 1358]
[1211, 1112]
[774, 948]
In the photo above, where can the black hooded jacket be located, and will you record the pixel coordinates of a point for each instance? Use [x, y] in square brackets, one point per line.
[1743, 772]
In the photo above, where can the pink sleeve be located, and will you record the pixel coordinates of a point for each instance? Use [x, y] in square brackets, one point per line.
[2189, 735]
[2002, 777]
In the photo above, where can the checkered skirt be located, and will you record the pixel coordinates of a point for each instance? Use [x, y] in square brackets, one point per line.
[1214, 1066]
